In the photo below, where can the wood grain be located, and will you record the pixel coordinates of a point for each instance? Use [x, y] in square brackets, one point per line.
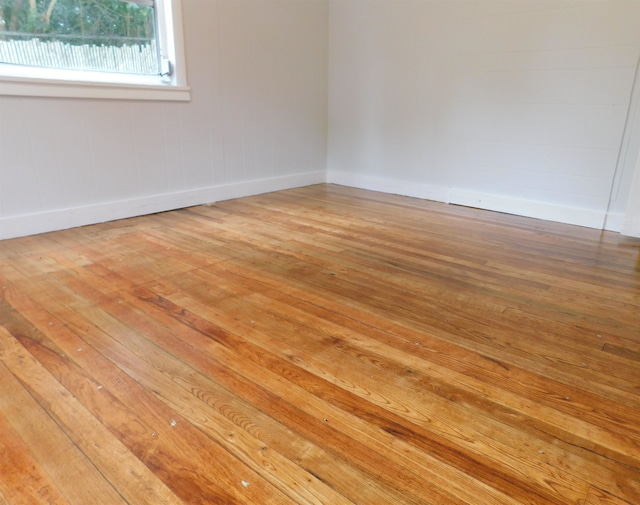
[18, 465]
[322, 345]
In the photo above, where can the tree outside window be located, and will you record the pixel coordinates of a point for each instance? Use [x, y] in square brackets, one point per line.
[93, 35]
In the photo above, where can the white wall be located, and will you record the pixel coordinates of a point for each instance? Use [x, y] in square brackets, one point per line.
[516, 105]
[256, 122]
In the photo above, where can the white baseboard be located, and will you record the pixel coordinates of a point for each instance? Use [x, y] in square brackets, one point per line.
[392, 186]
[529, 208]
[631, 227]
[42, 222]
[614, 221]
[509, 205]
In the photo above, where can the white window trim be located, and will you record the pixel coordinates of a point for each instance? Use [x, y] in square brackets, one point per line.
[45, 82]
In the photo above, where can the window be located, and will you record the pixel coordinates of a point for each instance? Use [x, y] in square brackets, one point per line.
[92, 48]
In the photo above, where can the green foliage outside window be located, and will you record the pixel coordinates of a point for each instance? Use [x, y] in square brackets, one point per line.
[77, 22]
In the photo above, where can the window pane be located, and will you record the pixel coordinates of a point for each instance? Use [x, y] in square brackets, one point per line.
[95, 35]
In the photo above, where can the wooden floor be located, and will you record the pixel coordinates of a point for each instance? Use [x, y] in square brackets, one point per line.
[321, 345]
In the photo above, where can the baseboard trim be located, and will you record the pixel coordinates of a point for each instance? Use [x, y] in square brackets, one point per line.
[52, 220]
[614, 221]
[392, 186]
[529, 208]
[509, 205]
[42, 222]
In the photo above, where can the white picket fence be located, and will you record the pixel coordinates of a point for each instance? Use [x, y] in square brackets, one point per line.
[132, 59]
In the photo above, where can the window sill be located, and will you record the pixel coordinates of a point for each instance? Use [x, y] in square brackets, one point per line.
[54, 88]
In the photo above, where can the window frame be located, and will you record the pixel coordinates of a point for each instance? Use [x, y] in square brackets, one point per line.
[17, 80]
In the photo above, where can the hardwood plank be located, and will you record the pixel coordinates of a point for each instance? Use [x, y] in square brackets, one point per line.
[359, 345]
[622, 352]
[288, 477]
[319, 412]
[131, 478]
[590, 355]
[217, 354]
[462, 332]
[22, 479]
[68, 468]
[199, 473]
[433, 492]
[321, 345]
[598, 497]
[410, 370]
[252, 391]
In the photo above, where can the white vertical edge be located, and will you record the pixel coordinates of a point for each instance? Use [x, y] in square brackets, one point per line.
[176, 48]
[631, 225]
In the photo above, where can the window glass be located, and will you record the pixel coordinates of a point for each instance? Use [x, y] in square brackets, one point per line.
[117, 36]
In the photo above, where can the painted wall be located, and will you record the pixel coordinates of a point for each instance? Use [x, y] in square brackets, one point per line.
[521, 106]
[518, 106]
[257, 122]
